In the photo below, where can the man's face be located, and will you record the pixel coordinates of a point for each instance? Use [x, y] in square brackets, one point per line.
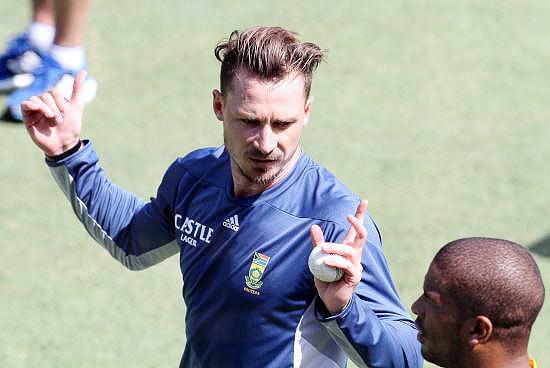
[262, 126]
[437, 321]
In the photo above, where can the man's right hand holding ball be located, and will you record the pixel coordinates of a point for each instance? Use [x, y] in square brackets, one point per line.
[336, 295]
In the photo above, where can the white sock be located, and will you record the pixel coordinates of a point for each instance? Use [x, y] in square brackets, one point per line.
[70, 57]
[41, 35]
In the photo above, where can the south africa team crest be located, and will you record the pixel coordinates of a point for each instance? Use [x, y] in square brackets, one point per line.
[256, 271]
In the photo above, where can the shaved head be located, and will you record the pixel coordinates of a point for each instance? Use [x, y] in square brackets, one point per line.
[495, 278]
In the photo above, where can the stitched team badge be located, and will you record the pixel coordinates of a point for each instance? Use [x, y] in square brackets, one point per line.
[256, 271]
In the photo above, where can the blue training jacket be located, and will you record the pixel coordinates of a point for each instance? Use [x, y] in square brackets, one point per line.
[251, 300]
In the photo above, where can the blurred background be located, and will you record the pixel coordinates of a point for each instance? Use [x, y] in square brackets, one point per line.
[437, 112]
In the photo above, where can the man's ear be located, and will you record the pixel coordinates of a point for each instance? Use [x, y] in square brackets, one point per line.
[217, 104]
[307, 109]
[477, 330]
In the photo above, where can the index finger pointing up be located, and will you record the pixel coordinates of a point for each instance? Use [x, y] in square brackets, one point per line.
[360, 232]
[351, 235]
[361, 210]
[78, 88]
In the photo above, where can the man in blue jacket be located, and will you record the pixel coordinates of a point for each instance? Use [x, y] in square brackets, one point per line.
[243, 217]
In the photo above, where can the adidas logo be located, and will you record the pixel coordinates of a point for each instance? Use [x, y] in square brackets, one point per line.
[232, 223]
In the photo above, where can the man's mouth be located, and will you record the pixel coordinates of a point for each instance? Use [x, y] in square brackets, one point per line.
[421, 336]
[262, 161]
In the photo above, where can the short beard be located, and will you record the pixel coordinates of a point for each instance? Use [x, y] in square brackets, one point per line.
[263, 179]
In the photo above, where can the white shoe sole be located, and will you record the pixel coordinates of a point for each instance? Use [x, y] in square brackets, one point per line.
[65, 86]
[16, 82]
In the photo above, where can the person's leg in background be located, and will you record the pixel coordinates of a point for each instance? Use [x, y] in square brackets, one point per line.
[24, 51]
[62, 59]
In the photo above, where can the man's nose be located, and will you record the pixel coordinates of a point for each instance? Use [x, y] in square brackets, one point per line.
[266, 140]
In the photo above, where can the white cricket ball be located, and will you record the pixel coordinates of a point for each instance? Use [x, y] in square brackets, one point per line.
[319, 269]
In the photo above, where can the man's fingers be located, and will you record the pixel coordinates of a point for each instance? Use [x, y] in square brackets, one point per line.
[317, 236]
[341, 249]
[361, 210]
[59, 99]
[78, 87]
[339, 262]
[350, 235]
[31, 129]
[42, 107]
[360, 232]
[47, 98]
[28, 109]
[360, 215]
[28, 106]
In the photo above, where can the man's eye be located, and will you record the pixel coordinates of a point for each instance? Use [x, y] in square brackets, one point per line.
[249, 121]
[283, 124]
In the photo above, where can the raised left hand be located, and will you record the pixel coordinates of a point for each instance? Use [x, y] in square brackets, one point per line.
[53, 122]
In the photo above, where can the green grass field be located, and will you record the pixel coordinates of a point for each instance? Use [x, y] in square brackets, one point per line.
[437, 112]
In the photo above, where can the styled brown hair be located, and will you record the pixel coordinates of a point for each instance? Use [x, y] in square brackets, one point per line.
[267, 52]
[495, 278]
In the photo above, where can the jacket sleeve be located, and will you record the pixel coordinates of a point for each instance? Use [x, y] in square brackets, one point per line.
[374, 328]
[135, 233]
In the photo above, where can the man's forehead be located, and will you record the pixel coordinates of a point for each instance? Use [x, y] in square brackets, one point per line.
[247, 85]
[259, 113]
[254, 96]
[435, 282]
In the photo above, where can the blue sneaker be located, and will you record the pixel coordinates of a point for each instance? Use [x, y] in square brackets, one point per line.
[48, 75]
[17, 63]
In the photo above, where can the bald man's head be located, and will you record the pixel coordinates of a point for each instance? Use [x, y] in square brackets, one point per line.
[495, 278]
